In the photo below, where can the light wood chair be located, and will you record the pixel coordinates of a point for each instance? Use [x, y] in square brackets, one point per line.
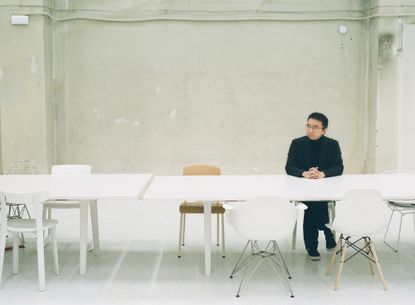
[197, 207]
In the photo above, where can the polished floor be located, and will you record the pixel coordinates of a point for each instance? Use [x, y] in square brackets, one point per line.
[139, 265]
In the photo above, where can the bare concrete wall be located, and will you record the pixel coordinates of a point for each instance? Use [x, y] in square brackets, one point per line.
[157, 95]
[25, 100]
[407, 99]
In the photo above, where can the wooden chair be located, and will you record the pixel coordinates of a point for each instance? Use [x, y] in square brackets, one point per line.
[197, 207]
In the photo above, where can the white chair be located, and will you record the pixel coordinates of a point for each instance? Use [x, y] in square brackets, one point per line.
[360, 214]
[262, 219]
[403, 207]
[76, 169]
[36, 226]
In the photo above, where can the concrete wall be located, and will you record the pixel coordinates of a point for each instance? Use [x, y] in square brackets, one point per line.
[133, 86]
[27, 117]
[406, 108]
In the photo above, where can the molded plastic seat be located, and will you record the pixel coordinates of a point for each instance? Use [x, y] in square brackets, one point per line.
[360, 214]
[262, 219]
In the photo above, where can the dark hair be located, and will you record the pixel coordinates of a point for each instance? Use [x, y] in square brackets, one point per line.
[319, 117]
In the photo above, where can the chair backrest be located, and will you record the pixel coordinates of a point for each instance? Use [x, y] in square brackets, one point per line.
[35, 198]
[71, 169]
[263, 218]
[407, 204]
[24, 167]
[360, 213]
[201, 170]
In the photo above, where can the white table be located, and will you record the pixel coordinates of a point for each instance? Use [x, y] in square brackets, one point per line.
[219, 188]
[82, 187]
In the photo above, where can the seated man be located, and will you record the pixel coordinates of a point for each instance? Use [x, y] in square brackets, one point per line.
[315, 156]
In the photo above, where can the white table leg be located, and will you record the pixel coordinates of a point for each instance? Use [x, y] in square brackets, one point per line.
[94, 222]
[3, 232]
[83, 232]
[207, 209]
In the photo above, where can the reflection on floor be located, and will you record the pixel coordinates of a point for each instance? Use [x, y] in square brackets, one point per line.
[147, 272]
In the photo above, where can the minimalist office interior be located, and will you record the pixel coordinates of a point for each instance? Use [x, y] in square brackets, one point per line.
[172, 115]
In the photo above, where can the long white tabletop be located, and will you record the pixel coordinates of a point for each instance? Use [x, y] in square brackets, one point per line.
[92, 186]
[81, 187]
[391, 186]
[219, 188]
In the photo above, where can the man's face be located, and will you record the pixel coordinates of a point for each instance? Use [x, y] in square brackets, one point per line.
[314, 129]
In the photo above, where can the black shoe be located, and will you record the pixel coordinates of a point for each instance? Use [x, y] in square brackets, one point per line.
[330, 242]
[314, 255]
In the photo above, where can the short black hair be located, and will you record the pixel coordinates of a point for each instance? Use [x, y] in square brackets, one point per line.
[319, 117]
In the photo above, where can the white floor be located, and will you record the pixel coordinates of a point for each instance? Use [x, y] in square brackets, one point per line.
[139, 265]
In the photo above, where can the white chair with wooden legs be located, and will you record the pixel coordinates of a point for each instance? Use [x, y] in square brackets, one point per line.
[266, 220]
[403, 207]
[197, 207]
[82, 205]
[360, 215]
[36, 226]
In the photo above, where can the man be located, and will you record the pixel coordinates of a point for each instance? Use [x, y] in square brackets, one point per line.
[315, 156]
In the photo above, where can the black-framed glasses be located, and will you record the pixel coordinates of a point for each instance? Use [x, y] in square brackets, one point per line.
[313, 127]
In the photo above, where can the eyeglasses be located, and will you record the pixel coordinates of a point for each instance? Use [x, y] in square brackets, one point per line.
[313, 127]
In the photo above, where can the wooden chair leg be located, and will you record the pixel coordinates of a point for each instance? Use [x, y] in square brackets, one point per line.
[342, 259]
[368, 253]
[179, 247]
[333, 256]
[184, 228]
[217, 229]
[375, 256]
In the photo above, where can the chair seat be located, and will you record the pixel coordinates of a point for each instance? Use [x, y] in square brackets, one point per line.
[62, 204]
[28, 225]
[409, 204]
[197, 208]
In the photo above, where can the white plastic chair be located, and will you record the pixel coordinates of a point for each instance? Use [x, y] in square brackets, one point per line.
[403, 207]
[36, 226]
[360, 214]
[262, 219]
[77, 169]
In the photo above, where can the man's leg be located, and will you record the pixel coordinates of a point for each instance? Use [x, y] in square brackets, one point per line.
[310, 229]
[323, 219]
